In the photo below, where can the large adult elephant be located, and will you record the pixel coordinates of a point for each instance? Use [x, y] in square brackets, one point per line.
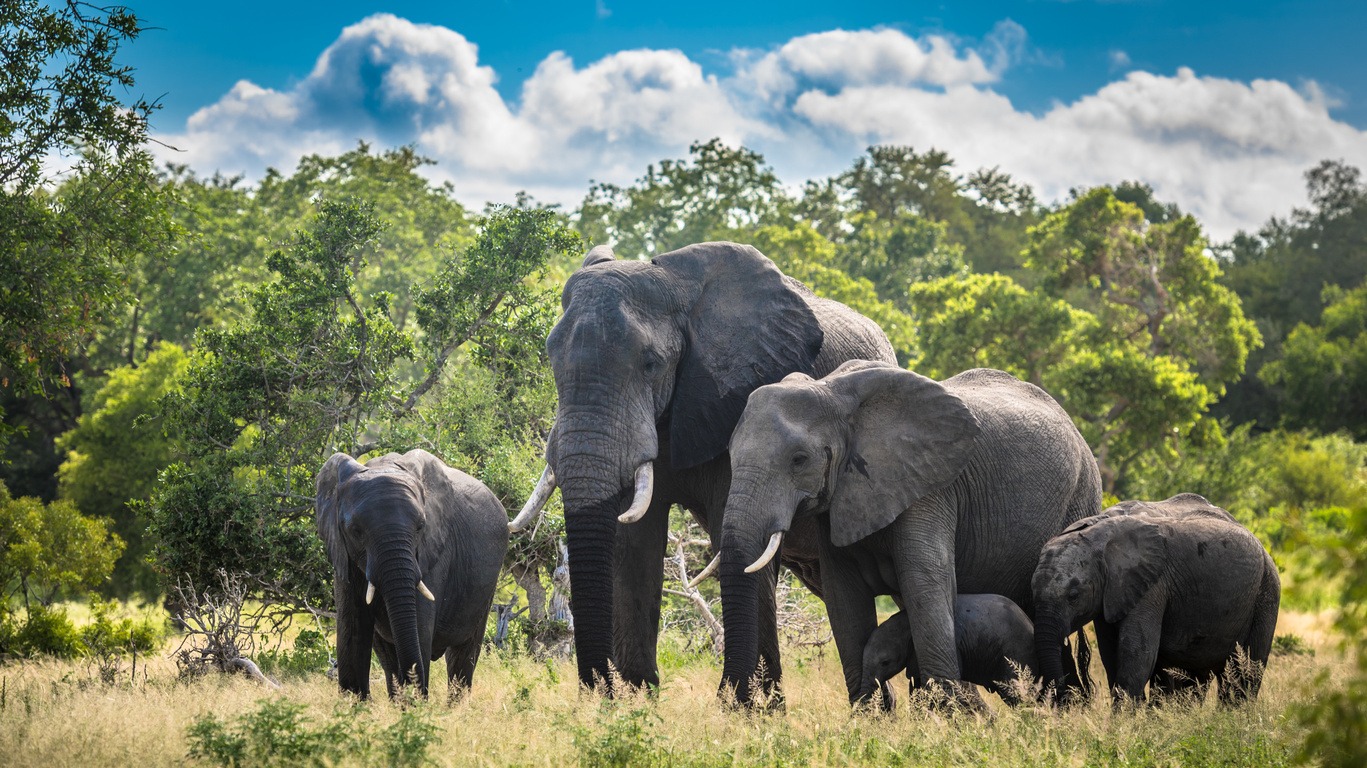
[416, 548]
[922, 490]
[653, 362]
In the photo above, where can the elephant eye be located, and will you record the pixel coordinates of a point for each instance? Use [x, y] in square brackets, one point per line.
[800, 460]
[651, 363]
[1074, 593]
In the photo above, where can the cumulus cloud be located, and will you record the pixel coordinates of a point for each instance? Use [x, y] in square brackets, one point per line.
[1231, 152]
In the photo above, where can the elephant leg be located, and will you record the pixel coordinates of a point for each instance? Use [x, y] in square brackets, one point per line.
[1139, 635]
[355, 633]
[924, 547]
[1257, 644]
[638, 577]
[853, 615]
[460, 666]
[388, 655]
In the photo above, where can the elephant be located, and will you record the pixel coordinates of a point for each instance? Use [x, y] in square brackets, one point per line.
[920, 489]
[990, 632]
[1169, 585]
[653, 361]
[416, 548]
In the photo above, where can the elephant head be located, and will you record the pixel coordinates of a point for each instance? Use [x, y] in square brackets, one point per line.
[649, 357]
[372, 524]
[864, 443]
[1099, 567]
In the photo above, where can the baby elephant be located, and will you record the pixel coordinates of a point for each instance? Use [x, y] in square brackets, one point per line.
[1171, 585]
[990, 632]
[416, 548]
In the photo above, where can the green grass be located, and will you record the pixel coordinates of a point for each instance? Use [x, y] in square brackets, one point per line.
[527, 713]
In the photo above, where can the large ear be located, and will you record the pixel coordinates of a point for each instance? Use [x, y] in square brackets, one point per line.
[747, 327]
[909, 437]
[1135, 556]
[336, 470]
[597, 255]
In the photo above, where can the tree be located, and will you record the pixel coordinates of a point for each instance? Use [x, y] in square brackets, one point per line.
[62, 253]
[46, 549]
[721, 194]
[1322, 375]
[114, 455]
[317, 367]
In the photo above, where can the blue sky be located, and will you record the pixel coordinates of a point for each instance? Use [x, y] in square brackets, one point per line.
[1221, 106]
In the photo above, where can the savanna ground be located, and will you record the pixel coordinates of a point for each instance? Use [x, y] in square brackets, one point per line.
[528, 713]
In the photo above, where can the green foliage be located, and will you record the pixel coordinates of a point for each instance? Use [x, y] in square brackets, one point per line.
[721, 194]
[45, 631]
[310, 655]
[1322, 375]
[107, 640]
[895, 253]
[57, 91]
[1336, 720]
[115, 453]
[46, 549]
[279, 733]
[623, 738]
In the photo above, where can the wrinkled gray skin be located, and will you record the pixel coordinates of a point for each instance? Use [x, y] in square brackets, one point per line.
[394, 521]
[653, 361]
[1173, 584]
[922, 490]
[990, 632]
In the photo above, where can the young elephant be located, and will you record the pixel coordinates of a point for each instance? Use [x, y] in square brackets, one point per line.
[990, 632]
[416, 548]
[1170, 585]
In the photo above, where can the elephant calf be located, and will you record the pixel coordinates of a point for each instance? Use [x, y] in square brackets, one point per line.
[990, 632]
[1170, 585]
[416, 548]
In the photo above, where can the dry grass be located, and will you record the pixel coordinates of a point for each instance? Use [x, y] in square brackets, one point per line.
[529, 714]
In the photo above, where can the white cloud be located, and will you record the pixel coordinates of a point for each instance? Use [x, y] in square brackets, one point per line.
[1231, 152]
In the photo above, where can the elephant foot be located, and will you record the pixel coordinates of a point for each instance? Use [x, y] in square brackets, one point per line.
[758, 695]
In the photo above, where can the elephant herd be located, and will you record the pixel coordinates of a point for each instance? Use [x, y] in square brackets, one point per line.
[708, 379]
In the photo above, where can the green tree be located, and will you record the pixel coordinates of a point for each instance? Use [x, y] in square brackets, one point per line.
[62, 252]
[1321, 377]
[720, 194]
[114, 455]
[48, 549]
[318, 367]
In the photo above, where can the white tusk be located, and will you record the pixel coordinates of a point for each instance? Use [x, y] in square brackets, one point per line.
[532, 509]
[425, 592]
[712, 566]
[645, 486]
[768, 553]
[369, 592]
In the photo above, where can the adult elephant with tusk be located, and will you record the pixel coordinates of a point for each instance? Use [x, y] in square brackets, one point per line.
[416, 548]
[653, 362]
[921, 490]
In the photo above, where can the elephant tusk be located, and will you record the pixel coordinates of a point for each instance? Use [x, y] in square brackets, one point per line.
[645, 487]
[704, 573]
[369, 592]
[425, 592]
[768, 553]
[532, 509]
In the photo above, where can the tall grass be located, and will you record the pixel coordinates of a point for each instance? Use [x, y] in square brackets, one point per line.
[525, 713]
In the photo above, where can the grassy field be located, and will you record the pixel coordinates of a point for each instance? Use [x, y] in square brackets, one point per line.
[526, 713]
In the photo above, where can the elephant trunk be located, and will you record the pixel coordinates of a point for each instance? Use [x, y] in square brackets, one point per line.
[594, 456]
[399, 576]
[1050, 632]
[740, 618]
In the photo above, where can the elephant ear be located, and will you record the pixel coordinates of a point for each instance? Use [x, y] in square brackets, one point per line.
[597, 255]
[1133, 559]
[909, 437]
[327, 503]
[748, 326]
